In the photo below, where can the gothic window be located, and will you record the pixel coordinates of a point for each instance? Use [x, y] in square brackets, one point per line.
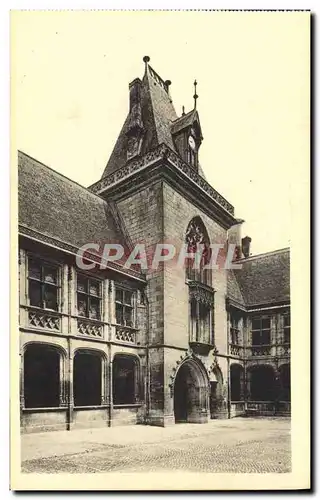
[198, 244]
[88, 297]
[261, 330]
[43, 281]
[124, 307]
[125, 379]
[87, 378]
[201, 316]
[41, 376]
[286, 328]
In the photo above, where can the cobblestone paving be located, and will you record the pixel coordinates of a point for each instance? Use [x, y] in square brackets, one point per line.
[237, 445]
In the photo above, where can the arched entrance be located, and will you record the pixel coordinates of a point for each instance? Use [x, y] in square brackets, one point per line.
[191, 393]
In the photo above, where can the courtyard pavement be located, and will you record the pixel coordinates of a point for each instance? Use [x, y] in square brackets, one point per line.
[256, 445]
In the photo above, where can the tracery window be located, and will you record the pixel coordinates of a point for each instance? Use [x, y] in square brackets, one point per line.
[198, 244]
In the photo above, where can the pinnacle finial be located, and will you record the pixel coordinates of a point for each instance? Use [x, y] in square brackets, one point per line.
[195, 96]
[183, 111]
[146, 59]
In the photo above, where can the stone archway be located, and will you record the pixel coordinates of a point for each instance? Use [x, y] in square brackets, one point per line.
[191, 393]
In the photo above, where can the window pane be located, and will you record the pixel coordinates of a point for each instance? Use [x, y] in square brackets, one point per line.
[82, 284]
[50, 274]
[265, 337]
[119, 314]
[82, 305]
[119, 295]
[94, 288]
[128, 298]
[256, 324]
[128, 316]
[94, 308]
[50, 297]
[34, 269]
[35, 293]
[256, 338]
[265, 323]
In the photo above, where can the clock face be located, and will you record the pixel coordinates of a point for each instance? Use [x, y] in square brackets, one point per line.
[191, 141]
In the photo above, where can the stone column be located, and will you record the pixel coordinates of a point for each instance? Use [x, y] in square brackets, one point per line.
[21, 373]
[110, 390]
[23, 292]
[70, 368]
[72, 290]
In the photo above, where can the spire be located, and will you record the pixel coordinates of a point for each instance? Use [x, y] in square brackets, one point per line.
[146, 59]
[195, 96]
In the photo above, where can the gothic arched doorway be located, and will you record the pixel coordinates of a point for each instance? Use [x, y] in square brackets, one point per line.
[191, 393]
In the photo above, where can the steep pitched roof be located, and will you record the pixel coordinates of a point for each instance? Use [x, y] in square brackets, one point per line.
[263, 279]
[233, 289]
[158, 118]
[59, 208]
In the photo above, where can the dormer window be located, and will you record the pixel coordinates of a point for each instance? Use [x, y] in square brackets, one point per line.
[187, 137]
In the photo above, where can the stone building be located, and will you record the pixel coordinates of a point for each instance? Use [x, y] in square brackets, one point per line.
[121, 345]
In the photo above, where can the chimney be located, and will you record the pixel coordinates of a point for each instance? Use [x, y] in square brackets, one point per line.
[234, 237]
[246, 246]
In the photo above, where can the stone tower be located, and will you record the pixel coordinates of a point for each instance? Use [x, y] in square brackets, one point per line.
[157, 188]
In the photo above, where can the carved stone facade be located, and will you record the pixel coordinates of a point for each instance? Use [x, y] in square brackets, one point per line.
[117, 346]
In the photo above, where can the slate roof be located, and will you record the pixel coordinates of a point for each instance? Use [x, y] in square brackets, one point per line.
[59, 208]
[158, 117]
[233, 288]
[263, 279]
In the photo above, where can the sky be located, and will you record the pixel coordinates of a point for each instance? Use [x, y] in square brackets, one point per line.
[70, 74]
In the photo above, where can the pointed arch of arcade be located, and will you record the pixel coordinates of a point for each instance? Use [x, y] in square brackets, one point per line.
[90, 377]
[191, 392]
[216, 391]
[126, 385]
[262, 382]
[43, 375]
[197, 234]
[236, 382]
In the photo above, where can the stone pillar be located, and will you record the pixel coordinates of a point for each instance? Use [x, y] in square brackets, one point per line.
[110, 389]
[70, 367]
[63, 381]
[23, 292]
[65, 299]
[72, 280]
[104, 377]
[21, 373]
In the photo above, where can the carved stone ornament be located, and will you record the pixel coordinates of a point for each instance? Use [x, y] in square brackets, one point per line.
[189, 354]
[201, 293]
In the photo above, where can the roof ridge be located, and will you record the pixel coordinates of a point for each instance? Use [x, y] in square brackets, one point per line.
[271, 252]
[62, 175]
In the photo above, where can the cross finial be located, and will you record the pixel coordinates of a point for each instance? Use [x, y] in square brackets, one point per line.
[195, 97]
